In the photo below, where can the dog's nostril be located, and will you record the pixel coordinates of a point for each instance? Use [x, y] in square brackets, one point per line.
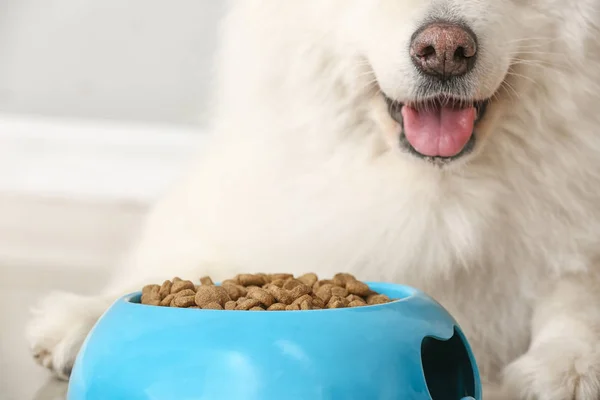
[460, 53]
[427, 51]
[444, 49]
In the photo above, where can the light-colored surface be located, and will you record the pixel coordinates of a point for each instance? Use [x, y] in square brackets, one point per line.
[73, 192]
[20, 377]
[73, 195]
[143, 60]
[73, 235]
[89, 159]
[23, 280]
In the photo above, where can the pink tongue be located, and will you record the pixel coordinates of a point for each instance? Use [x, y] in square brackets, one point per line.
[441, 132]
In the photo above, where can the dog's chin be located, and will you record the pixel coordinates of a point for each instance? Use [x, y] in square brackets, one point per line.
[457, 119]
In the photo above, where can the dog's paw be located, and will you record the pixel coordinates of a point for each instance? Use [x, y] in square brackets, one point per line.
[555, 371]
[58, 328]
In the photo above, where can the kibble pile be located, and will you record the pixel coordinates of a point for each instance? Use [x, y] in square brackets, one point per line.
[264, 292]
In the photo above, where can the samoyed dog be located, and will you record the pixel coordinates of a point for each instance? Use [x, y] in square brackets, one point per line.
[451, 145]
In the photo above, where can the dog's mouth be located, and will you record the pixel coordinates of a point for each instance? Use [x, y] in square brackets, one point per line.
[440, 128]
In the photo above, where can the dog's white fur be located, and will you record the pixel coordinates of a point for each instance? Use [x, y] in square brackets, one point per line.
[304, 173]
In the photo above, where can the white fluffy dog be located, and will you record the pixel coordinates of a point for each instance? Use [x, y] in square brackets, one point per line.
[452, 145]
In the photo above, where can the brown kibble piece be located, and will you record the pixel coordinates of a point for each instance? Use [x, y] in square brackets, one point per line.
[205, 280]
[153, 302]
[321, 283]
[291, 283]
[317, 302]
[277, 307]
[251, 280]
[266, 277]
[300, 290]
[335, 304]
[278, 282]
[339, 291]
[281, 295]
[242, 290]
[185, 292]
[338, 299]
[292, 307]
[306, 305]
[358, 288]
[356, 299]
[176, 279]
[208, 294]
[180, 285]
[149, 288]
[357, 303]
[377, 299]
[234, 291]
[309, 279]
[247, 304]
[306, 297]
[150, 294]
[324, 292]
[165, 289]
[263, 296]
[224, 296]
[283, 277]
[212, 306]
[343, 279]
[230, 305]
[184, 301]
[257, 309]
[166, 302]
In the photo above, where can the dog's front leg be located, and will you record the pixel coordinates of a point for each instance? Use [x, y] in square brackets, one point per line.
[563, 361]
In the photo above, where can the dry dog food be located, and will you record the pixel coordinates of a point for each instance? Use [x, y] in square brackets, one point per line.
[264, 292]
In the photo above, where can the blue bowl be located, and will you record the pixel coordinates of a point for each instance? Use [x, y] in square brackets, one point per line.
[407, 349]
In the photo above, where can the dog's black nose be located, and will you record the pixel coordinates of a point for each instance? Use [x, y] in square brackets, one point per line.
[444, 49]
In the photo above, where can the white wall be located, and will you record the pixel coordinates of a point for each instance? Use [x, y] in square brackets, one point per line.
[133, 60]
[102, 103]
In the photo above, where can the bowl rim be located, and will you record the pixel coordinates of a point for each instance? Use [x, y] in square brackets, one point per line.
[408, 293]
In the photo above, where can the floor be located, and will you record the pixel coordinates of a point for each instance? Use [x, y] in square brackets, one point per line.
[20, 377]
[34, 259]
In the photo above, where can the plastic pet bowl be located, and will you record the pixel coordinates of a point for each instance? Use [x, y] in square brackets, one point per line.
[403, 350]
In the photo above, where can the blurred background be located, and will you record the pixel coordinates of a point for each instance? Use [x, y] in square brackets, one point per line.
[102, 104]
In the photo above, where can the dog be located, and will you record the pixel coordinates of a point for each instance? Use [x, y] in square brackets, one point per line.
[450, 145]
